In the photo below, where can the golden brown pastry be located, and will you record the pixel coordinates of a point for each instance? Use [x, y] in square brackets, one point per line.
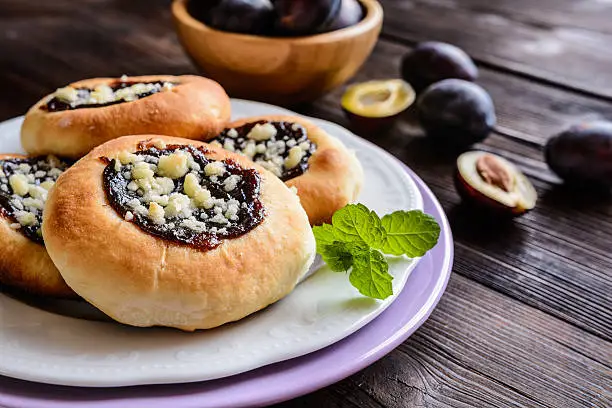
[155, 230]
[24, 262]
[75, 119]
[325, 173]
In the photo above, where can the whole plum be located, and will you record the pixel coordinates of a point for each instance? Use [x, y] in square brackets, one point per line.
[432, 61]
[303, 17]
[240, 16]
[350, 14]
[582, 153]
[459, 112]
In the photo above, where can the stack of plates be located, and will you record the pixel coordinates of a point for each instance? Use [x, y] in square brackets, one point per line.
[321, 333]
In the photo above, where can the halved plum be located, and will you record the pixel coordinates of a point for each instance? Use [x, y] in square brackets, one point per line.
[494, 184]
[374, 105]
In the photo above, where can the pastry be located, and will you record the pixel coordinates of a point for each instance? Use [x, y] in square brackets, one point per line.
[325, 173]
[163, 231]
[75, 119]
[24, 262]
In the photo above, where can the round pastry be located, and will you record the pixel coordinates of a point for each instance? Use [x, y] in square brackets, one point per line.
[24, 185]
[325, 173]
[163, 231]
[87, 113]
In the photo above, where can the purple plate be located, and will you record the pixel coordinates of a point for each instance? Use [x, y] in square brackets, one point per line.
[281, 381]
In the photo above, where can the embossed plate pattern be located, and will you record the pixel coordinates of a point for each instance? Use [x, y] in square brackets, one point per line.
[40, 346]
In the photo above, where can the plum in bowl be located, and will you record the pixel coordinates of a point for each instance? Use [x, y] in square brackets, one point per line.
[282, 70]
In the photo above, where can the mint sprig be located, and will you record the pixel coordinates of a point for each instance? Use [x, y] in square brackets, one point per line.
[356, 223]
[355, 238]
[370, 275]
[411, 233]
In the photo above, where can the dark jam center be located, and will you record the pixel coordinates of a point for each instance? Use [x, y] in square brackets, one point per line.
[246, 192]
[56, 104]
[39, 171]
[287, 136]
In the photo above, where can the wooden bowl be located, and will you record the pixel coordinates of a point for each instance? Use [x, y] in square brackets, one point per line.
[279, 70]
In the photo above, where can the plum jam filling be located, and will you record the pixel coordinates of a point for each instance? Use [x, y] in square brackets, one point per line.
[24, 184]
[69, 98]
[175, 192]
[281, 147]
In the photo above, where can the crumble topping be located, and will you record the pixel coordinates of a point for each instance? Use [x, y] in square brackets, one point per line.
[103, 95]
[178, 193]
[24, 186]
[280, 147]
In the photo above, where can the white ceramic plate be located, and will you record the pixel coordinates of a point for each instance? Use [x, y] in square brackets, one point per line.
[46, 347]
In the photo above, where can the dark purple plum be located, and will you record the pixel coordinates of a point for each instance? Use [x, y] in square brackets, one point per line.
[350, 14]
[456, 111]
[431, 62]
[582, 153]
[304, 17]
[199, 8]
[238, 16]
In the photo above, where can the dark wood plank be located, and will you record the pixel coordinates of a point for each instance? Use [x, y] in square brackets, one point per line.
[537, 39]
[590, 15]
[481, 349]
[97, 38]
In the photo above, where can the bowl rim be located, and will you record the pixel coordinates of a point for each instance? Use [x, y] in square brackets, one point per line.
[373, 18]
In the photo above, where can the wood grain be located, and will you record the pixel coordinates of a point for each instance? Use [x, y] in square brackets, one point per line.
[507, 355]
[555, 50]
[109, 38]
[527, 318]
[590, 15]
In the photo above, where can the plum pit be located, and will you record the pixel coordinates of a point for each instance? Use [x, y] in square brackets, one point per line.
[494, 184]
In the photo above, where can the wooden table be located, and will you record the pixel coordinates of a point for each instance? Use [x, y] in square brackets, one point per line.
[527, 317]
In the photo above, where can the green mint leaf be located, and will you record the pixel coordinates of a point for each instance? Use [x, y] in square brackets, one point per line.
[339, 255]
[370, 275]
[356, 223]
[411, 233]
[355, 236]
[325, 235]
